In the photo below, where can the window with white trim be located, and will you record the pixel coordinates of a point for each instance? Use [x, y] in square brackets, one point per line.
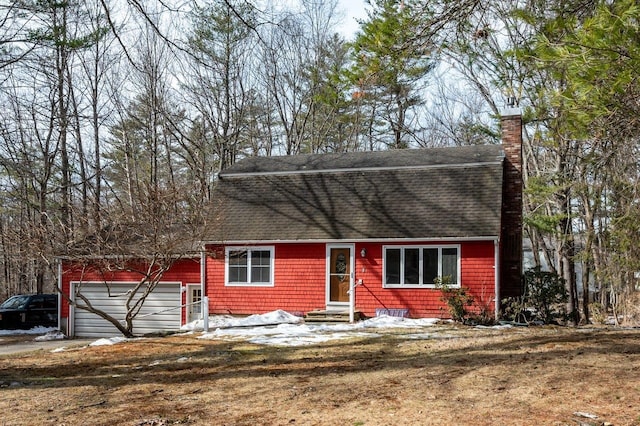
[249, 266]
[418, 266]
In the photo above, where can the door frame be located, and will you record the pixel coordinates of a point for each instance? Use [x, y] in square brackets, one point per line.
[190, 288]
[328, 302]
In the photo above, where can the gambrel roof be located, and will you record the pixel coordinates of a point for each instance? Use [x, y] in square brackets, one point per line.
[441, 193]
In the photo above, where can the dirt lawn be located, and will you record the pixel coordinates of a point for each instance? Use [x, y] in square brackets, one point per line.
[450, 376]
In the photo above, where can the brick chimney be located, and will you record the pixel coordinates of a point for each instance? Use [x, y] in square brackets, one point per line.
[511, 228]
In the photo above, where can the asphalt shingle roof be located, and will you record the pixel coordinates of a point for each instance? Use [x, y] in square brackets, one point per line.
[403, 194]
[366, 160]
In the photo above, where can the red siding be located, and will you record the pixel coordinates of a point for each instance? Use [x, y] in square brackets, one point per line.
[299, 272]
[185, 271]
[476, 270]
[300, 282]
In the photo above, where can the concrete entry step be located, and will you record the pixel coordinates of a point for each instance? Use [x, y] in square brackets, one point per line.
[331, 315]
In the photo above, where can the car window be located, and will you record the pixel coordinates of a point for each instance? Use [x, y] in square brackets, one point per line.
[37, 302]
[15, 302]
[50, 302]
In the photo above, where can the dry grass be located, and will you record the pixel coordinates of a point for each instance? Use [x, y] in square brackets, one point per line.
[459, 376]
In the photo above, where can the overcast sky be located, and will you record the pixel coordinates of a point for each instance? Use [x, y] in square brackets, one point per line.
[353, 9]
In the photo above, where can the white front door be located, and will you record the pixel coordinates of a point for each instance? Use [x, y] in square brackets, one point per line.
[194, 297]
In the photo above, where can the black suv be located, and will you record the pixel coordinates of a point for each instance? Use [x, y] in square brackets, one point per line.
[29, 310]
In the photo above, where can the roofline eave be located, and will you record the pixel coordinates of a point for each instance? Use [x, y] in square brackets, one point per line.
[352, 240]
[235, 175]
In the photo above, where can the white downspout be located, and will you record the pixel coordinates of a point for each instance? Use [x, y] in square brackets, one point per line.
[204, 300]
[60, 296]
[496, 268]
[352, 299]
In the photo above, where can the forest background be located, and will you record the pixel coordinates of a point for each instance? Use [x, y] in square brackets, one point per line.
[117, 115]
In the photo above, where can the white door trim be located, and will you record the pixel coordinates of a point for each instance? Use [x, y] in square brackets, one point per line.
[192, 313]
[328, 301]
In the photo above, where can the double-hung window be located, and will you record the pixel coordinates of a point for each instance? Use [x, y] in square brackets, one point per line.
[418, 266]
[249, 266]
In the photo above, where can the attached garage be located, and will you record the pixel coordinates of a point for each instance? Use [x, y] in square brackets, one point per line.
[161, 310]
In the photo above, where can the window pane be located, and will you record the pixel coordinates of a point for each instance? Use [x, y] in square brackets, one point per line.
[237, 274]
[429, 265]
[450, 264]
[392, 266]
[260, 257]
[412, 266]
[260, 274]
[260, 266]
[238, 257]
[238, 266]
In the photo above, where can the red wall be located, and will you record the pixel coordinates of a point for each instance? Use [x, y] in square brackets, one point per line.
[300, 271]
[476, 270]
[185, 271]
[300, 282]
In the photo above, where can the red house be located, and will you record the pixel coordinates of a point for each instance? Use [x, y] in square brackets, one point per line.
[297, 233]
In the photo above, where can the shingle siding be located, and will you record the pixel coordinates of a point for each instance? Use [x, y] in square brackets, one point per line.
[477, 274]
[300, 282]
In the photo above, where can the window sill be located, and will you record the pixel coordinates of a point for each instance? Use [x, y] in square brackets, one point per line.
[249, 285]
[415, 286]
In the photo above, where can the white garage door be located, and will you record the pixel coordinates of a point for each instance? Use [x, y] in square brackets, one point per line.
[163, 303]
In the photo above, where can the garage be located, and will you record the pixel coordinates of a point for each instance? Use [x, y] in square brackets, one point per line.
[161, 310]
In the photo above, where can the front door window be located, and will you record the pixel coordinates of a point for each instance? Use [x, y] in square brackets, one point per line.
[339, 274]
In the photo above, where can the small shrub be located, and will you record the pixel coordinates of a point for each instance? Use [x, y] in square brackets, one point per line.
[598, 313]
[515, 309]
[544, 299]
[486, 316]
[456, 298]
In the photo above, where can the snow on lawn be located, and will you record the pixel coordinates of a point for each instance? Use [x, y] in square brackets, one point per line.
[108, 342]
[35, 330]
[227, 321]
[278, 328]
[283, 329]
[51, 335]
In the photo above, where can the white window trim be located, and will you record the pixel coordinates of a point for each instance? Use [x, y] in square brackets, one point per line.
[420, 267]
[270, 249]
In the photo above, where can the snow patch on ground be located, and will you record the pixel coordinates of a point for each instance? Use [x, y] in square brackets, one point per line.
[279, 328]
[228, 321]
[108, 342]
[385, 321]
[282, 329]
[51, 335]
[34, 330]
[287, 334]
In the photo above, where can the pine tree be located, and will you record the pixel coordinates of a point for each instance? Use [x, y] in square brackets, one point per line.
[389, 62]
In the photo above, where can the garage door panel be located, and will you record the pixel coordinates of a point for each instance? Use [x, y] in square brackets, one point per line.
[163, 302]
